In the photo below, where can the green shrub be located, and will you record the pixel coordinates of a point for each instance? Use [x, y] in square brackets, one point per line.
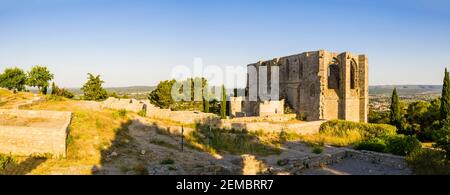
[282, 162]
[142, 113]
[442, 138]
[286, 136]
[428, 162]
[402, 144]
[317, 149]
[341, 128]
[5, 160]
[375, 144]
[168, 161]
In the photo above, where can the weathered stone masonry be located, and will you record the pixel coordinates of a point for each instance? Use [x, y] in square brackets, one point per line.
[321, 84]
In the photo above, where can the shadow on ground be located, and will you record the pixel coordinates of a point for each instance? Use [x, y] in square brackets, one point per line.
[22, 168]
[157, 148]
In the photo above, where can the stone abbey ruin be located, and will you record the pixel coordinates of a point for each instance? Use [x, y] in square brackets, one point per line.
[318, 84]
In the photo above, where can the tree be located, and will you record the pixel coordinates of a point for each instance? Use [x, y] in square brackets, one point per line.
[54, 88]
[443, 138]
[162, 96]
[39, 77]
[13, 79]
[395, 110]
[223, 105]
[445, 98]
[206, 99]
[56, 91]
[93, 89]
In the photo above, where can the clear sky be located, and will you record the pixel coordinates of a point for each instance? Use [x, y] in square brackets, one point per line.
[138, 42]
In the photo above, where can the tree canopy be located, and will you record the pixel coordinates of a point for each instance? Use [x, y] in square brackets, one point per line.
[161, 96]
[13, 79]
[39, 76]
[93, 89]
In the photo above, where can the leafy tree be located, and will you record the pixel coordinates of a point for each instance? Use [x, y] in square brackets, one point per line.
[223, 105]
[162, 96]
[13, 79]
[433, 113]
[39, 77]
[379, 117]
[93, 89]
[443, 138]
[417, 111]
[395, 110]
[445, 98]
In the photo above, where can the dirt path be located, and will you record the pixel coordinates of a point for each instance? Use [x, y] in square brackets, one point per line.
[151, 145]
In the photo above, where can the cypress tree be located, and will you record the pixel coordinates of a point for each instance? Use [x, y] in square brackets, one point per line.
[223, 105]
[395, 110]
[445, 98]
[206, 99]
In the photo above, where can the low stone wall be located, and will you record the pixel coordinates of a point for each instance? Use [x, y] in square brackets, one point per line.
[303, 128]
[274, 123]
[271, 118]
[28, 140]
[133, 105]
[35, 100]
[297, 165]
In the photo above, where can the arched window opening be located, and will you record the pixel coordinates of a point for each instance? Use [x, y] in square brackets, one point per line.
[298, 96]
[287, 69]
[353, 75]
[300, 69]
[333, 75]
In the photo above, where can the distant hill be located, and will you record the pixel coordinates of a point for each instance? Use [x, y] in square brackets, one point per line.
[121, 90]
[373, 90]
[405, 89]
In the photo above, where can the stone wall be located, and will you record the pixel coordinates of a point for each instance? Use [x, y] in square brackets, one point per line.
[297, 165]
[133, 105]
[302, 128]
[43, 139]
[321, 84]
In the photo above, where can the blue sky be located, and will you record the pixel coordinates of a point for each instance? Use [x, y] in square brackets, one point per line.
[138, 42]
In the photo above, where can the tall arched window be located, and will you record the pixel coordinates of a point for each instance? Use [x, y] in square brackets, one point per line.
[287, 69]
[300, 69]
[353, 74]
[298, 96]
[333, 75]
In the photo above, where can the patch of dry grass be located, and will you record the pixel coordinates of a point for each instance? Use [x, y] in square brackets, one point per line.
[333, 140]
[12, 120]
[8, 99]
[90, 132]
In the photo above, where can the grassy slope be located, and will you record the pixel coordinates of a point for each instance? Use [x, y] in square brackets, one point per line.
[8, 99]
[90, 132]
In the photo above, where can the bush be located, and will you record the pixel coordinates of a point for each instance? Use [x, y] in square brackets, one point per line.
[344, 128]
[5, 160]
[375, 144]
[402, 144]
[317, 149]
[168, 161]
[428, 162]
[122, 113]
[142, 113]
[442, 138]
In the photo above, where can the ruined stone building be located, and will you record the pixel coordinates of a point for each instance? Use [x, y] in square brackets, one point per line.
[317, 84]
